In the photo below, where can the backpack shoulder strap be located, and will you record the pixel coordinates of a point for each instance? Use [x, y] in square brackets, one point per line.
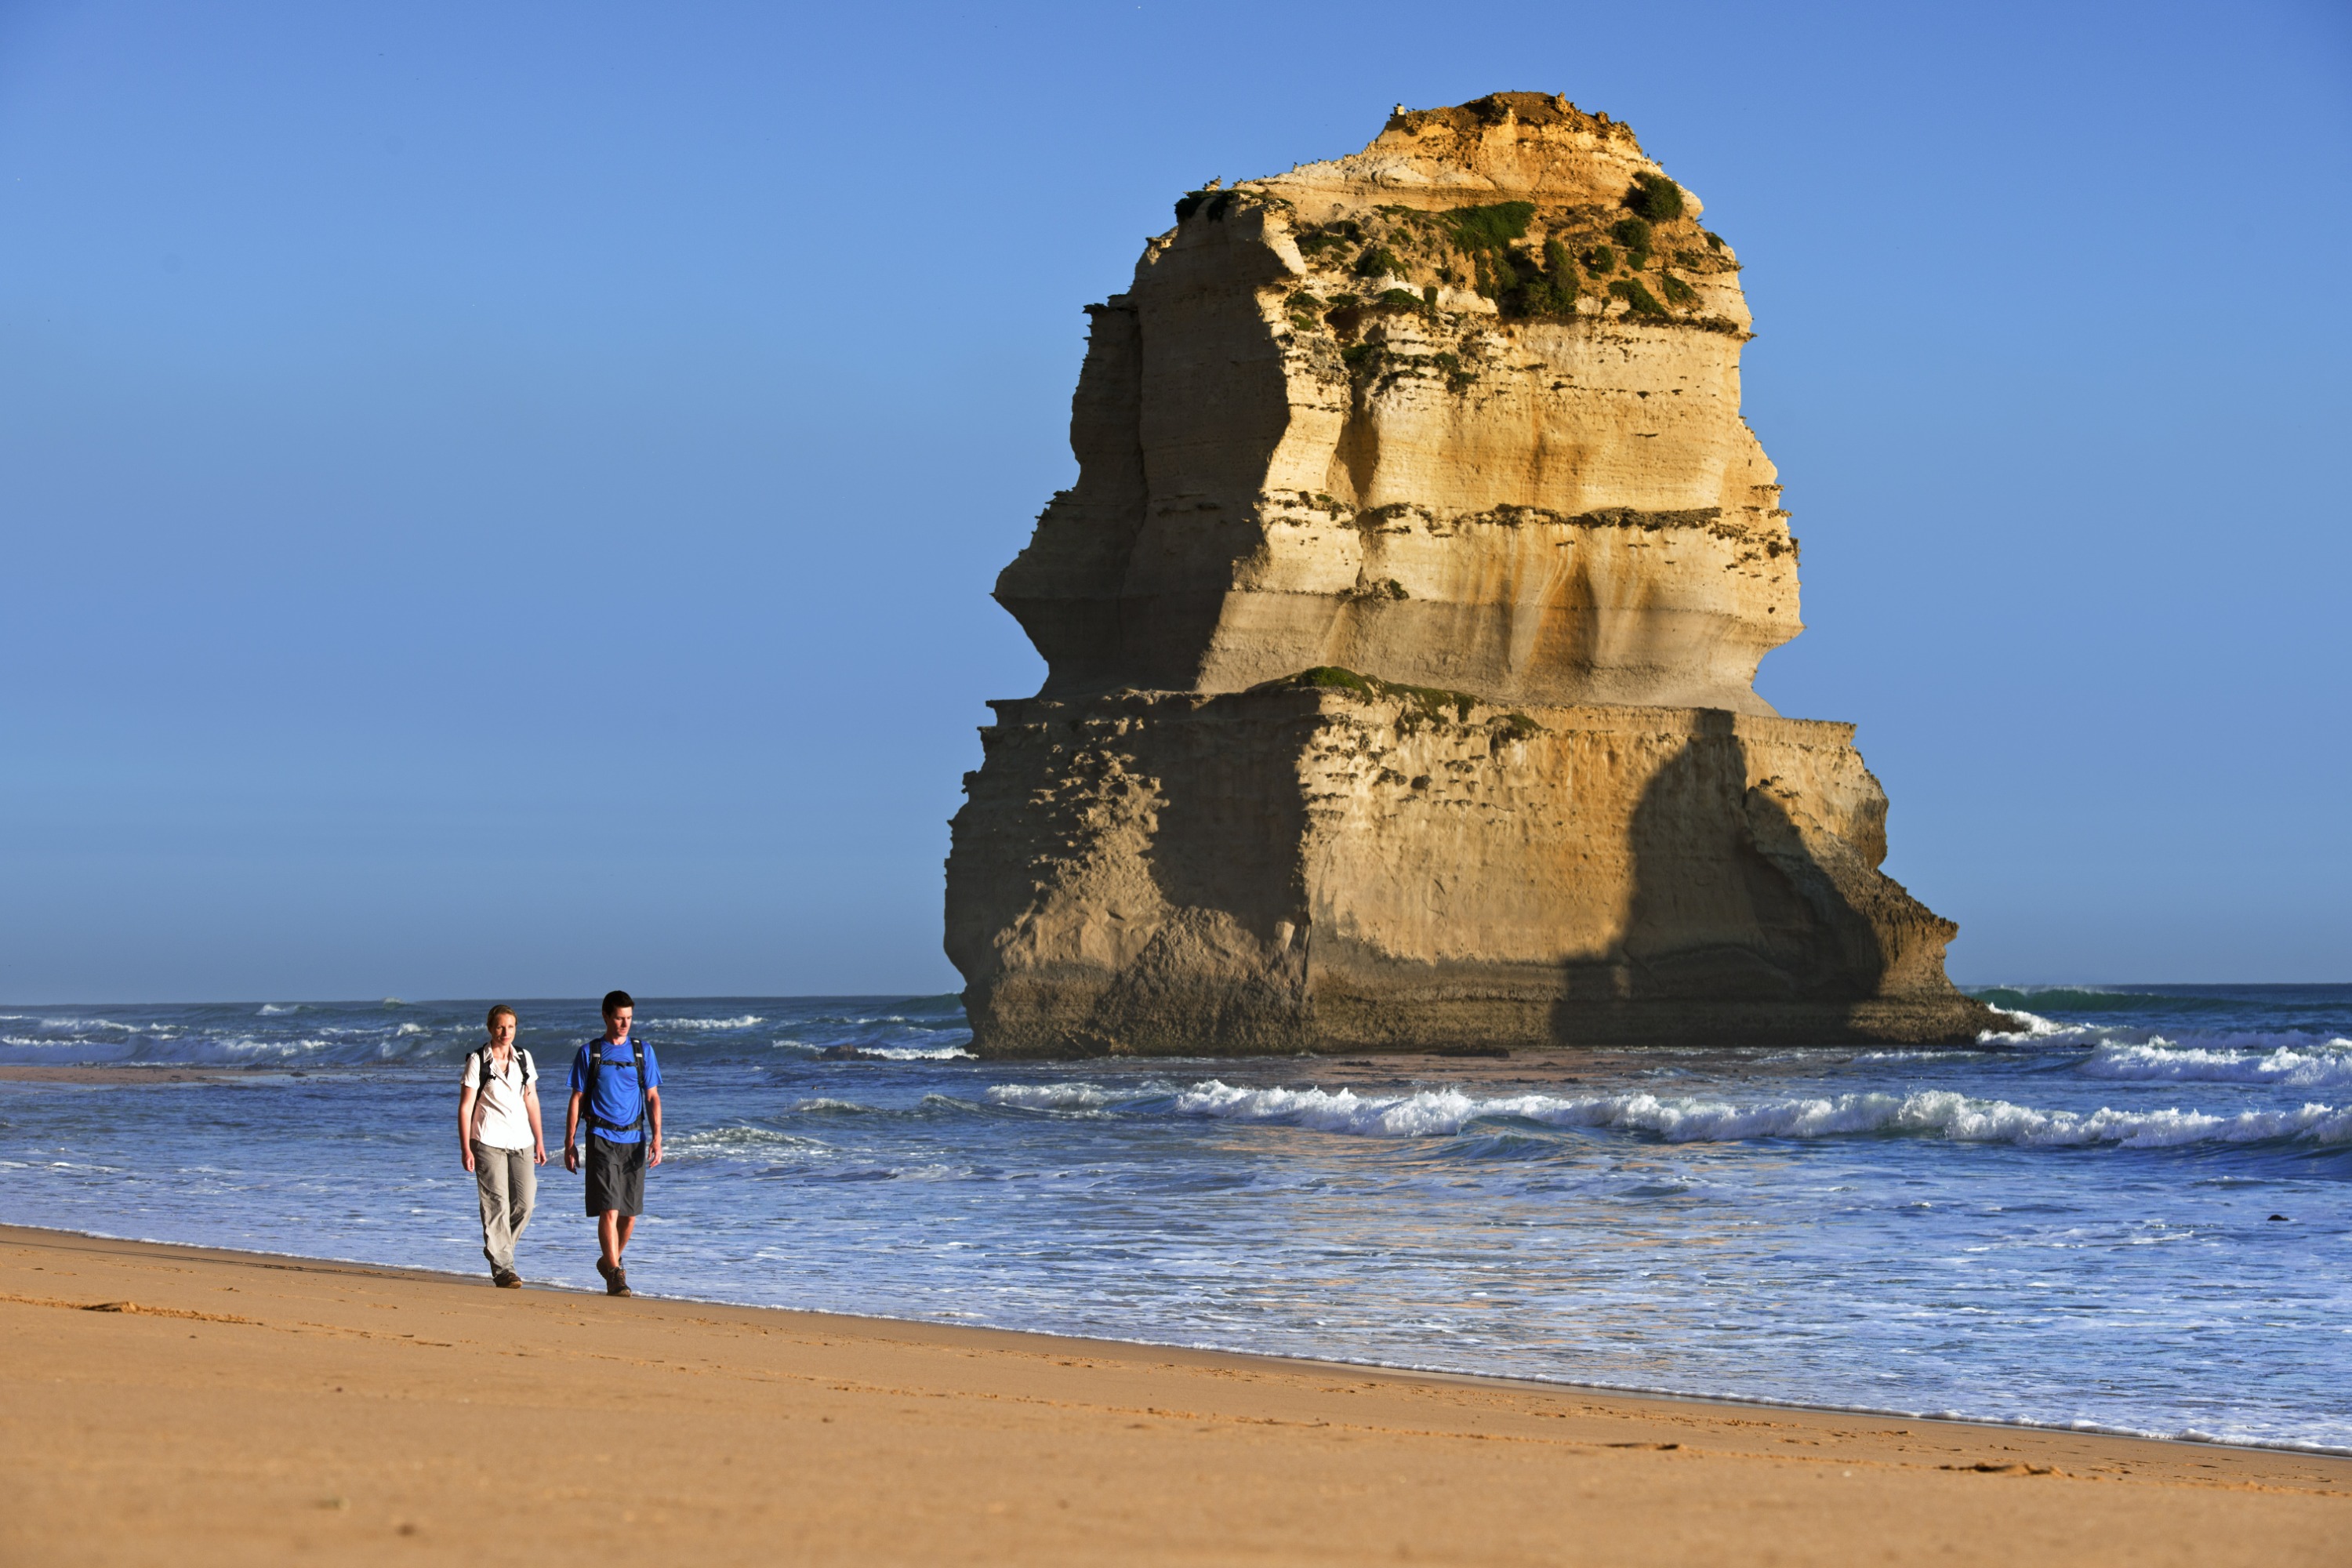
[637, 1051]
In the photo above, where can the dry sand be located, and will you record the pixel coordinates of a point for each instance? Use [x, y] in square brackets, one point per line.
[173, 1405]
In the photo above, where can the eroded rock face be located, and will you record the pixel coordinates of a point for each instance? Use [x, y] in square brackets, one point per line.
[1327, 868]
[1400, 631]
[1386, 413]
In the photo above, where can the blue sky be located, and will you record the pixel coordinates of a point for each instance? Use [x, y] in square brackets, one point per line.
[502, 499]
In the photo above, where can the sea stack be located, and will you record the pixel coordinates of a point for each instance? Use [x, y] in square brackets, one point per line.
[1400, 634]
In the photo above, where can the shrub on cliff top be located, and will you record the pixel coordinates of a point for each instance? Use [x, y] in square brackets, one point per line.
[1540, 296]
[1313, 242]
[1636, 237]
[1420, 704]
[1655, 197]
[1518, 726]
[1379, 261]
[1489, 227]
[1330, 676]
[1638, 300]
[1219, 203]
[1677, 291]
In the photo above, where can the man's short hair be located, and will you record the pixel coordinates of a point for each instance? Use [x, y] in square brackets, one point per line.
[616, 1000]
[500, 1011]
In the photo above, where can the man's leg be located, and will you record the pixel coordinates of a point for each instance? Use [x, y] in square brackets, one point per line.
[491, 1178]
[612, 1235]
[616, 1190]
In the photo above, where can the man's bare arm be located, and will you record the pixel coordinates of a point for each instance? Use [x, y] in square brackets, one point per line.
[653, 1110]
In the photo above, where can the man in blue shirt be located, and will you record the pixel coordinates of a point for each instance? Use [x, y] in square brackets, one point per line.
[617, 1092]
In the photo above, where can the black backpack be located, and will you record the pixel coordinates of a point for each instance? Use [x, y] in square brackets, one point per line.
[522, 1060]
[589, 1122]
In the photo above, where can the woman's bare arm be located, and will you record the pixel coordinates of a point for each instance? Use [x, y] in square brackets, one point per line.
[466, 1125]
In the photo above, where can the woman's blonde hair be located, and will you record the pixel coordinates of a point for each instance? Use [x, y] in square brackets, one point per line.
[492, 1021]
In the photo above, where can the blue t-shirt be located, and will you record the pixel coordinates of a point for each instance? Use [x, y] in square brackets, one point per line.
[616, 1103]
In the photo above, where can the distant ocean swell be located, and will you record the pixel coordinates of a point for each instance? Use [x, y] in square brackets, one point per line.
[325, 1035]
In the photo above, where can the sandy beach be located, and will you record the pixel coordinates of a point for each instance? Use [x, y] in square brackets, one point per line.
[179, 1404]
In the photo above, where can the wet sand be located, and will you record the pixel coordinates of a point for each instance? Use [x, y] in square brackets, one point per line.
[123, 1077]
[185, 1406]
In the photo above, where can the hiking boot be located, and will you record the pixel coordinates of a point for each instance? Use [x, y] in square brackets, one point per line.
[616, 1282]
[506, 1279]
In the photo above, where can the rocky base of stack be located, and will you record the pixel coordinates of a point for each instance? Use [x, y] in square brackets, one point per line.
[1312, 868]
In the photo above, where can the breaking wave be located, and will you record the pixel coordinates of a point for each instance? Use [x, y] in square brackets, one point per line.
[1939, 1113]
[2300, 1063]
[1054, 1096]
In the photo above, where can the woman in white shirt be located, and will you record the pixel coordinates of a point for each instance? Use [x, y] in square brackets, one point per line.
[498, 1139]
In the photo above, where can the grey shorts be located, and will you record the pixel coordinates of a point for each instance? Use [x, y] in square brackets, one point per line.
[616, 1176]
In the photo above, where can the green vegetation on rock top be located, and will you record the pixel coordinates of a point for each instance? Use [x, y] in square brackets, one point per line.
[1534, 262]
[1655, 197]
[1638, 300]
[1489, 227]
[1421, 704]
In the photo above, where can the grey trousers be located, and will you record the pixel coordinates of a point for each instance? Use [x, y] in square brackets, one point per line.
[508, 1185]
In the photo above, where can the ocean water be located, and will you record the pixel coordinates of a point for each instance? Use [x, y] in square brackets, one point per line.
[2131, 1216]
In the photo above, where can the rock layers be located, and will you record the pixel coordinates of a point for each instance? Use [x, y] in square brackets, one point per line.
[1400, 634]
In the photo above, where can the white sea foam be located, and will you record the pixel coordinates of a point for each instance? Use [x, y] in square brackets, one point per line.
[1943, 1054]
[739, 1140]
[2302, 1063]
[274, 1009]
[1932, 1113]
[2042, 1031]
[1052, 1096]
[747, 1021]
[916, 1053]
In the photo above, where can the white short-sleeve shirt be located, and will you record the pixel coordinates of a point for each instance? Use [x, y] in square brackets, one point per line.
[500, 1119]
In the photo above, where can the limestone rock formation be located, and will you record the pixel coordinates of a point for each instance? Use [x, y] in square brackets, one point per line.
[1400, 634]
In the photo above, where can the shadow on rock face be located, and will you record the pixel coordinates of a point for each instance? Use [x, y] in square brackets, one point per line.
[1224, 966]
[1751, 913]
